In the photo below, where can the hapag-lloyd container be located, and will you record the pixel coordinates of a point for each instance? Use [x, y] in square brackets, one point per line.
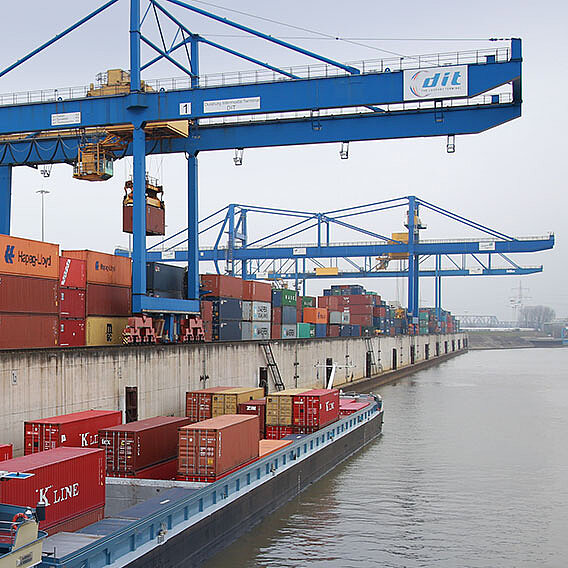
[220, 285]
[72, 303]
[227, 402]
[103, 300]
[104, 268]
[24, 331]
[198, 403]
[72, 332]
[72, 273]
[279, 407]
[256, 408]
[212, 448]
[29, 295]
[132, 447]
[78, 429]
[28, 258]
[5, 452]
[316, 408]
[69, 481]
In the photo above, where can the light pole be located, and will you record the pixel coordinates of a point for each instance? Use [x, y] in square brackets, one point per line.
[43, 193]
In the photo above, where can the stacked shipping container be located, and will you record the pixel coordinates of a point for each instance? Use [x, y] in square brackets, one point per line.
[5, 452]
[72, 301]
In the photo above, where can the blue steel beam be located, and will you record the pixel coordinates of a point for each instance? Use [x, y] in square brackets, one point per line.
[5, 199]
[371, 126]
[275, 97]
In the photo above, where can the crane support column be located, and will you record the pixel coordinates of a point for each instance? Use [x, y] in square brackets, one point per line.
[134, 45]
[5, 199]
[139, 219]
[192, 229]
[413, 267]
[438, 287]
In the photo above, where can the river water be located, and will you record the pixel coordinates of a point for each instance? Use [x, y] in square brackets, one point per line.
[471, 470]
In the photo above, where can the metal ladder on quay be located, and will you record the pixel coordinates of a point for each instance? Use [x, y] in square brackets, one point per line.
[375, 367]
[273, 366]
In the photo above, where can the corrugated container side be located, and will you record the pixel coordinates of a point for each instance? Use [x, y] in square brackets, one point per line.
[166, 470]
[72, 332]
[257, 408]
[261, 311]
[104, 268]
[29, 295]
[70, 481]
[72, 303]
[289, 331]
[215, 446]
[29, 258]
[198, 403]
[78, 430]
[279, 407]
[72, 273]
[316, 408]
[105, 300]
[24, 331]
[278, 432]
[267, 447]
[105, 330]
[276, 332]
[138, 445]
[5, 452]
[220, 285]
[227, 402]
[257, 291]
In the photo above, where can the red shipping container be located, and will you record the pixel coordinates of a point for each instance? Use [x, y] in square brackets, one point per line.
[166, 470]
[155, 220]
[78, 429]
[69, 481]
[71, 333]
[347, 408]
[103, 300]
[199, 403]
[138, 445]
[29, 295]
[5, 452]
[72, 303]
[276, 332]
[278, 432]
[361, 320]
[213, 447]
[333, 330]
[358, 300]
[316, 408]
[24, 331]
[208, 331]
[258, 408]
[103, 268]
[277, 316]
[72, 273]
[222, 286]
[332, 303]
[360, 310]
[257, 291]
[207, 311]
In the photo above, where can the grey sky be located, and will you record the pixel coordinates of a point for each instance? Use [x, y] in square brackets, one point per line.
[510, 178]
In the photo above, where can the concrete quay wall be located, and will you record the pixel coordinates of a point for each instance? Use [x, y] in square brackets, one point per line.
[47, 382]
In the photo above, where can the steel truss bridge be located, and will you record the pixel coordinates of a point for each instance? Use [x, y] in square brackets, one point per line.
[330, 101]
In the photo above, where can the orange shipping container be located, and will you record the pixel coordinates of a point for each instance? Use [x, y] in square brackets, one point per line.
[315, 315]
[104, 268]
[28, 258]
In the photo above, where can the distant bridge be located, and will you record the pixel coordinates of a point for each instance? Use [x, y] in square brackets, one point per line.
[473, 320]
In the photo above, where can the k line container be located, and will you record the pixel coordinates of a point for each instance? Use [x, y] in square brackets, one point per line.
[29, 295]
[105, 330]
[211, 448]
[72, 273]
[69, 481]
[104, 268]
[256, 408]
[72, 332]
[23, 331]
[219, 285]
[25, 257]
[103, 300]
[279, 407]
[72, 303]
[227, 402]
[78, 429]
[5, 452]
[316, 408]
[199, 403]
[138, 445]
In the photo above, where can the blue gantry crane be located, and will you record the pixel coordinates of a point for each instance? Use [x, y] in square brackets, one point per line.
[282, 254]
[416, 96]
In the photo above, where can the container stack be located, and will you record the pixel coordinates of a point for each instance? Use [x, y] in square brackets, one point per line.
[108, 295]
[212, 449]
[29, 301]
[257, 310]
[285, 313]
[348, 406]
[314, 409]
[199, 403]
[225, 294]
[279, 413]
[5, 452]
[145, 449]
[207, 319]
[227, 401]
[70, 481]
[257, 408]
[72, 301]
[78, 430]
[314, 324]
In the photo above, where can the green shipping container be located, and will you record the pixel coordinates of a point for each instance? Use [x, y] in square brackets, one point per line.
[308, 302]
[306, 330]
[288, 298]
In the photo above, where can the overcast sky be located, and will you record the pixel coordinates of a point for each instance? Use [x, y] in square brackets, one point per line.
[511, 178]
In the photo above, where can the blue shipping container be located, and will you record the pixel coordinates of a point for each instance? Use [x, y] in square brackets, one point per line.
[321, 330]
[227, 331]
[289, 315]
[225, 309]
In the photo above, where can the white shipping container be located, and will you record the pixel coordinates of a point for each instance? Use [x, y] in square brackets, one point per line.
[261, 311]
[289, 331]
[247, 311]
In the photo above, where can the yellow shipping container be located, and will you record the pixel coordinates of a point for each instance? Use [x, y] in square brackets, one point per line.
[105, 330]
[227, 402]
[327, 271]
[279, 407]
